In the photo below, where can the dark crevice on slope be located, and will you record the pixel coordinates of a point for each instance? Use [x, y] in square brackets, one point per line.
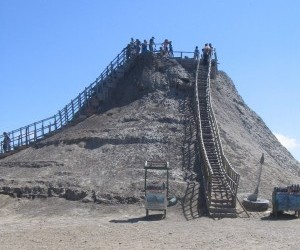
[96, 142]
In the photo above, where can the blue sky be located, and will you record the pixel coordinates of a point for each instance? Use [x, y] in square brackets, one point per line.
[51, 50]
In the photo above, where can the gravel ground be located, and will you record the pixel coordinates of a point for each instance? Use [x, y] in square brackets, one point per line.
[59, 224]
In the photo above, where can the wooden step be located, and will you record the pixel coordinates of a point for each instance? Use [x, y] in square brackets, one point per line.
[223, 215]
[222, 210]
[220, 201]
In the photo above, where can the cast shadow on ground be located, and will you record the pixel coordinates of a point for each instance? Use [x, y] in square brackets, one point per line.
[152, 217]
[280, 216]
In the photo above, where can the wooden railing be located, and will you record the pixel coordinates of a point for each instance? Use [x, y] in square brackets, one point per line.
[208, 172]
[232, 177]
[36, 131]
[183, 54]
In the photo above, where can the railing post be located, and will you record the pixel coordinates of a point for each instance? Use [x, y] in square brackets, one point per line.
[20, 137]
[79, 102]
[111, 68]
[85, 97]
[13, 139]
[55, 123]
[43, 128]
[66, 114]
[34, 134]
[60, 118]
[73, 113]
[27, 135]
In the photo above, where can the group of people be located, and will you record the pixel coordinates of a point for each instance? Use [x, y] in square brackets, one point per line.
[166, 48]
[206, 53]
[136, 47]
[6, 142]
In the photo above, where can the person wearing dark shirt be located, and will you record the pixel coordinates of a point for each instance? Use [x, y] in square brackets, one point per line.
[6, 142]
[152, 44]
[171, 49]
[196, 53]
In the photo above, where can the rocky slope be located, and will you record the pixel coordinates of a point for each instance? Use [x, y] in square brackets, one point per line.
[245, 137]
[150, 117]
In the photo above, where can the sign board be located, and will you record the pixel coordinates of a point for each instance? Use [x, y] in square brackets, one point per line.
[156, 196]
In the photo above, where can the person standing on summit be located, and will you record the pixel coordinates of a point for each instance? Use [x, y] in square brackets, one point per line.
[144, 47]
[165, 46]
[196, 53]
[152, 44]
[6, 142]
[205, 53]
[171, 49]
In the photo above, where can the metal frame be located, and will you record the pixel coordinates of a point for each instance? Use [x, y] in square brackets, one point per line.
[161, 166]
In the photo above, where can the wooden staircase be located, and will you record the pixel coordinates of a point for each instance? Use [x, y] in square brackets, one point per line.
[221, 181]
[85, 104]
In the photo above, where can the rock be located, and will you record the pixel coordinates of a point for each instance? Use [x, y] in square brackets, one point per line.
[89, 198]
[74, 195]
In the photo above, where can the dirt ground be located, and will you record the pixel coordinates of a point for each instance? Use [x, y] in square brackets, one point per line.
[55, 223]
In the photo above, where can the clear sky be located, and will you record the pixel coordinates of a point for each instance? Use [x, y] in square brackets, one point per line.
[51, 50]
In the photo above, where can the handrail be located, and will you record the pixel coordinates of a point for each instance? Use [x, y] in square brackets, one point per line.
[232, 177]
[39, 130]
[183, 54]
[229, 172]
[208, 169]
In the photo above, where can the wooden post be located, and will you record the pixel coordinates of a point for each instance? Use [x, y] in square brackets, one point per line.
[66, 114]
[43, 128]
[111, 68]
[27, 135]
[79, 101]
[34, 135]
[107, 70]
[55, 123]
[60, 118]
[13, 140]
[20, 136]
[72, 104]
[85, 97]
